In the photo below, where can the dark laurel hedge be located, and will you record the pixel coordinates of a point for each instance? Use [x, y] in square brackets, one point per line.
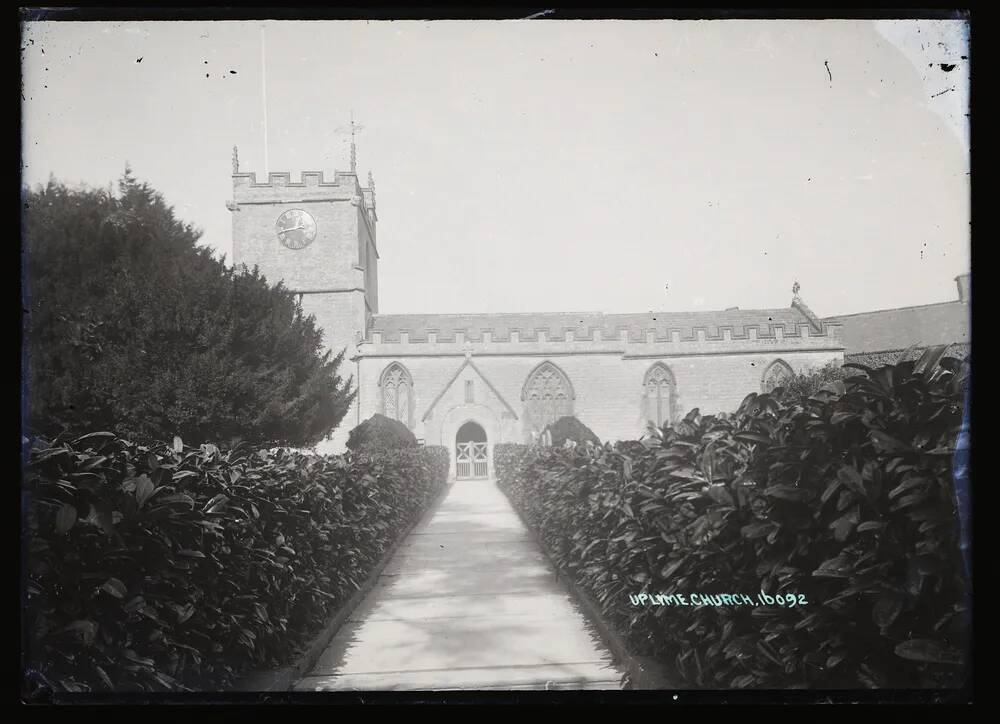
[570, 428]
[845, 497]
[379, 433]
[508, 459]
[149, 569]
[440, 461]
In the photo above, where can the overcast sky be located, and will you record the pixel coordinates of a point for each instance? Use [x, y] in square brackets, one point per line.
[547, 165]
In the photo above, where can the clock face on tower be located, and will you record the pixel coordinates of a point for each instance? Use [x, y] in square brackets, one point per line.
[296, 229]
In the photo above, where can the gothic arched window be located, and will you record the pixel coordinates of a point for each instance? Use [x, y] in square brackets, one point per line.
[775, 375]
[659, 394]
[547, 396]
[397, 394]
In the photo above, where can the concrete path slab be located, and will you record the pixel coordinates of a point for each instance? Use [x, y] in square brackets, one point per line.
[447, 607]
[410, 561]
[467, 602]
[563, 676]
[464, 582]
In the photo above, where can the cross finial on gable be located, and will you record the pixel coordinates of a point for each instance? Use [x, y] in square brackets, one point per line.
[467, 348]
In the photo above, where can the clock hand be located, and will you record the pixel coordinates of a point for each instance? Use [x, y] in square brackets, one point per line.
[291, 228]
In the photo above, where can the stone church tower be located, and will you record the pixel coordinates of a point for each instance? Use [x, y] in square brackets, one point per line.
[317, 236]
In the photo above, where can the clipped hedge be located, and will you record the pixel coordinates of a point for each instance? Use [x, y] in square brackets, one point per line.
[379, 433]
[508, 459]
[149, 569]
[845, 497]
[570, 428]
[440, 461]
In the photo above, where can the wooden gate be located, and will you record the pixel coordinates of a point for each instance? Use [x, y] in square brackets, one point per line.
[471, 460]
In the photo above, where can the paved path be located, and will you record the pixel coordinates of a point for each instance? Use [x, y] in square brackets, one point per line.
[468, 602]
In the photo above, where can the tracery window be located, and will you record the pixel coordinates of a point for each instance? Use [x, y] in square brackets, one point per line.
[775, 375]
[397, 394]
[659, 394]
[547, 396]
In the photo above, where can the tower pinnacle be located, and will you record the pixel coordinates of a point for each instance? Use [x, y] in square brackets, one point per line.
[353, 128]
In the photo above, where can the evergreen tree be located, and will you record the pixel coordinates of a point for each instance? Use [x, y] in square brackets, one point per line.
[133, 327]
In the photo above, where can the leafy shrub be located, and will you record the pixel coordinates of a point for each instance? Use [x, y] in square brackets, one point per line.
[811, 382]
[508, 458]
[150, 569]
[378, 433]
[570, 428]
[845, 497]
[440, 461]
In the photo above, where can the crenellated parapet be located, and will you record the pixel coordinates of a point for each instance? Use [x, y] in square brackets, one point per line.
[282, 187]
[283, 179]
[627, 341]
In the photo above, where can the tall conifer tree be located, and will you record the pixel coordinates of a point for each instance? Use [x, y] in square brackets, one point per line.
[133, 327]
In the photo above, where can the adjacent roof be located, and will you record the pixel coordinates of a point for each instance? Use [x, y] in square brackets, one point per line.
[895, 329]
[582, 323]
[958, 350]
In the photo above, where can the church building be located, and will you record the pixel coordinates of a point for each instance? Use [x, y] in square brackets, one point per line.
[470, 381]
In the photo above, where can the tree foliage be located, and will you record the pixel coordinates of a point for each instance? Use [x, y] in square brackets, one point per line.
[379, 433]
[808, 383]
[131, 326]
[570, 428]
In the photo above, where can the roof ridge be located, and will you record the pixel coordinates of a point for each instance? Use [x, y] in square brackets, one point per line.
[897, 309]
[572, 314]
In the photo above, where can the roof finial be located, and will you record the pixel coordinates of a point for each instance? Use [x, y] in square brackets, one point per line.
[795, 292]
[236, 160]
[371, 182]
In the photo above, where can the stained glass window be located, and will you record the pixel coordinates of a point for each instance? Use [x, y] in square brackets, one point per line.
[775, 375]
[658, 395]
[397, 393]
[547, 396]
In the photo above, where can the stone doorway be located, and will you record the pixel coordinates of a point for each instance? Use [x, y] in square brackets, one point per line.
[471, 452]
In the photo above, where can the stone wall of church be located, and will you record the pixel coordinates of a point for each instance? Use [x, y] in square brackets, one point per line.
[369, 260]
[608, 388]
[340, 316]
[720, 382]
